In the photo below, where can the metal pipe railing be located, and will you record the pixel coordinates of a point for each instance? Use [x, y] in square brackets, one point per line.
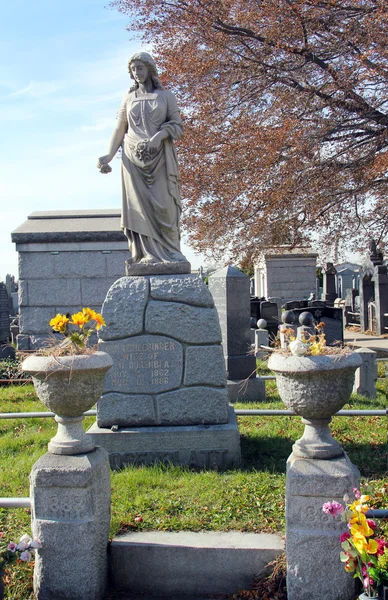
[15, 503]
[239, 411]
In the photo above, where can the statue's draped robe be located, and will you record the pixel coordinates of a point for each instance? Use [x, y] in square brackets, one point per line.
[151, 196]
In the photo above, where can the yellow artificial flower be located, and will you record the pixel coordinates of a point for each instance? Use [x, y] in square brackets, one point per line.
[88, 313]
[359, 505]
[361, 527]
[362, 545]
[79, 319]
[59, 322]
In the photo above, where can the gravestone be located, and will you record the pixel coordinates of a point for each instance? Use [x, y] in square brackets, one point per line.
[6, 350]
[165, 398]
[329, 283]
[230, 290]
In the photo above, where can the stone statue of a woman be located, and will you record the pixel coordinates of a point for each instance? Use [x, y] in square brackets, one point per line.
[148, 121]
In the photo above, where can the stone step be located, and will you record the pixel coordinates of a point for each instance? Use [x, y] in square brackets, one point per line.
[167, 564]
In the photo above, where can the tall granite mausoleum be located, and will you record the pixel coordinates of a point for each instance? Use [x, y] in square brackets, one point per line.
[67, 259]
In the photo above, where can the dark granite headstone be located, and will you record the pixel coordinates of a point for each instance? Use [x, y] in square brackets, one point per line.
[4, 315]
[269, 312]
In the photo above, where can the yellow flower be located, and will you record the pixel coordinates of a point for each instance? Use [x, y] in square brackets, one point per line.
[59, 322]
[79, 319]
[88, 313]
[362, 545]
[361, 526]
[359, 506]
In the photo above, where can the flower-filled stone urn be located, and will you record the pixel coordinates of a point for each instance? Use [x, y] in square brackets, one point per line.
[315, 387]
[69, 386]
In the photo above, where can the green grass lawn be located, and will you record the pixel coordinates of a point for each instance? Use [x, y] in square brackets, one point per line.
[175, 498]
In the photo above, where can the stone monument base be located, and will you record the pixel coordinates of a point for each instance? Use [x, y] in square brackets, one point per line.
[249, 390]
[196, 446]
[182, 267]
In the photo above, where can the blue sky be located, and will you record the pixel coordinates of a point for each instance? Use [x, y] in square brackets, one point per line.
[63, 73]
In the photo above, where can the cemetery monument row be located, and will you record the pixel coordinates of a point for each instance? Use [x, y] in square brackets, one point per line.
[166, 396]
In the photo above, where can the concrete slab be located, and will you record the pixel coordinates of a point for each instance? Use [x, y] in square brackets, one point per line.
[190, 563]
[361, 340]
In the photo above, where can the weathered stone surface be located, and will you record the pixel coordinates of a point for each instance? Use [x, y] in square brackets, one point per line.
[366, 374]
[193, 406]
[71, 510]
[205, 365]
[123, 309]
[95, 288]
[181, 288]
[197, 446]
[190, 563]
[160, 268]
[305, 383]
[312, 536]
[57, 291]
[190, 324]
[125, 409]
[145, 364]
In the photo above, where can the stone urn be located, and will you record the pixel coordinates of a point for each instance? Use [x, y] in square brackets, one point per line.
[315, 387]
[69, 386]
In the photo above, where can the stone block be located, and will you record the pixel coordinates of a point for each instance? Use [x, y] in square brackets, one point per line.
[366, 375]
[54, 291]
[115, 263]
[123, 308]
[196, 446]
[36, 265]
[205, 365]
[193, 406]
[35, 319]
[190, 563]
[312, 537]
[79, 264]
[125, 409]
[95, 289]
[145, 364]
[190, 324]
[71, 510]
[189, 289]
[249, 390]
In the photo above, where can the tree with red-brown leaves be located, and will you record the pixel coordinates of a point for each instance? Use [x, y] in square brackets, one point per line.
[286, 113]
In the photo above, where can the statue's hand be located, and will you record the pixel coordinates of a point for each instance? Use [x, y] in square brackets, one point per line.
[102, 164]
[154, 143]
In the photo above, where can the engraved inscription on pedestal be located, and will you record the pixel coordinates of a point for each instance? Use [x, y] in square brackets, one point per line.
[144, 364]
[63, 505]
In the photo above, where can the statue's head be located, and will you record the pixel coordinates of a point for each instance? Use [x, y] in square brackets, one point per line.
[147, 59]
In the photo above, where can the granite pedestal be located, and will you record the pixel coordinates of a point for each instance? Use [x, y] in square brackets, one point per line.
[71, 517]
[314, 569]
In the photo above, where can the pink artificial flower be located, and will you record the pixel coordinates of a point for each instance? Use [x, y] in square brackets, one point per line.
[333, 508]
[22, 546]
[1, 534]
[35, 544]
[357, 493]
[25, 556]
[371, 523]
[382, 544]
[138, 519]
[11, 547]
[344, 536]
[368, 581]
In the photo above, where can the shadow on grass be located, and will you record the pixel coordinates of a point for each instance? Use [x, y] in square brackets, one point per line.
[271, 454]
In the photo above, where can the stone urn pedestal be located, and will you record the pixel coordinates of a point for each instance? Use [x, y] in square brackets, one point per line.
[70, 484]
[318, 470]
[315, 387]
